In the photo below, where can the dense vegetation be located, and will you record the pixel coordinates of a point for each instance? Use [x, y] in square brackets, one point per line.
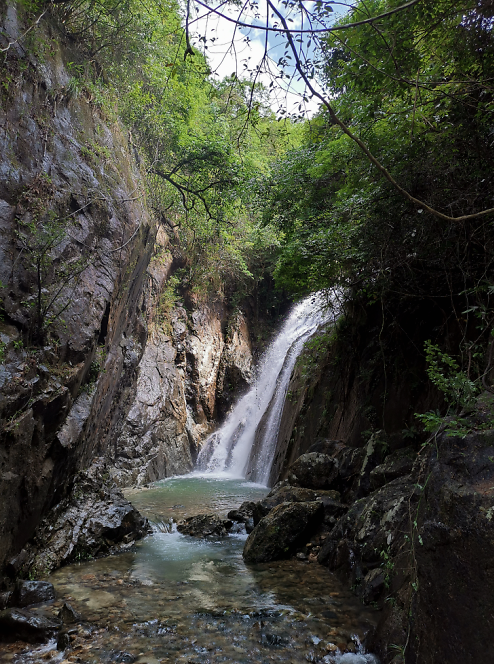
[417, 89]
[199, 141]
[246, 196]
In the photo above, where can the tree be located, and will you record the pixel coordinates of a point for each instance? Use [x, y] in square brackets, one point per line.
[300, 23]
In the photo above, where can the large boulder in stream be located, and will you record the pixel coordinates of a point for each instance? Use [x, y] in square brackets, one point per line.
[284, 493]
[31, 592]
[282, 531]
[313, 471]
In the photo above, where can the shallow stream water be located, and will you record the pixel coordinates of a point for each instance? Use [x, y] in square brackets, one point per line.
[175, 598]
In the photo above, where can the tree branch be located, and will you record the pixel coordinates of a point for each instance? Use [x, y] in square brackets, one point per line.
[346, 130]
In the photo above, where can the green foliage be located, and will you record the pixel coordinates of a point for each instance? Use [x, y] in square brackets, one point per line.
[444, 372]
[166, 302]
[459, 391]
[417, 90]
[200, 143]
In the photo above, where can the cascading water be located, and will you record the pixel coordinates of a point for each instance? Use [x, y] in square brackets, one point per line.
[229, 451]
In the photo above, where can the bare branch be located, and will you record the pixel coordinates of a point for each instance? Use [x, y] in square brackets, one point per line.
[288, 30]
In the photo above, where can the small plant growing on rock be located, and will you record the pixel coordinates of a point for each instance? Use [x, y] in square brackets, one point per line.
[459, 391]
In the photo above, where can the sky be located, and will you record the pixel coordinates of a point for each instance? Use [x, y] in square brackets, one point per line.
[231, 49]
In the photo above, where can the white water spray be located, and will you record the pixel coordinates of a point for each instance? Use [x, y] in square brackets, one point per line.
[228, 451]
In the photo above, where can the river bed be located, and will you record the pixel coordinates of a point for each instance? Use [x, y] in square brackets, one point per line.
[175, 598]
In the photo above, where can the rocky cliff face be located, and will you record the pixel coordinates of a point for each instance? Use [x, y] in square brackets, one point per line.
[190, 364]
[87, 366]
[348, 383]
[75, 243]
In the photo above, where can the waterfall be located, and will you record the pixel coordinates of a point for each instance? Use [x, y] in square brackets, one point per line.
[230, 450]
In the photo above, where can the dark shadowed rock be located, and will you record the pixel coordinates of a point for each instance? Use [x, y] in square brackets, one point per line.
[396, 465]
[369, 527]
[373, 585]
[285, 493]
[313, 471]
[278, 534]
[26, 626]
[4, 599]
[324, 446]
[244, 512]
[31, 592]
[205, 525]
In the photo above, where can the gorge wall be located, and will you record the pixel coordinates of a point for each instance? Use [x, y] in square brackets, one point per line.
[90, 369]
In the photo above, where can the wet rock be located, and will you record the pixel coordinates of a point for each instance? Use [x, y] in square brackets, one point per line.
[273, 640]
[94, 520]
[244, 512]
[63, 641]
[205, 525]
[333, 509]
[374, 451]
[122, 657]
[369, 527]
[4, 600]
[282, 531]
[290, 494]
[68, 615]
[372, 585]
[396, 465]
[14, 565]
[26, 626]
[324, 446]
[313, 471]
[235, 370]
[31, 592]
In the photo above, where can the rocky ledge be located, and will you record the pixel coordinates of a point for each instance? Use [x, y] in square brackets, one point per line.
[93, 520]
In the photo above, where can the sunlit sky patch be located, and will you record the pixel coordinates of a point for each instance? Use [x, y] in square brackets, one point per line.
[231, 49]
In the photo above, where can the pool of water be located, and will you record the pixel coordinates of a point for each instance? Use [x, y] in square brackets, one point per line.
[175, 598]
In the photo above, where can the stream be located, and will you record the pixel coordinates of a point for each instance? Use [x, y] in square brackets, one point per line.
[175, 598]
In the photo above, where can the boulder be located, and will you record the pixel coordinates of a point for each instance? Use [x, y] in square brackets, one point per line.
[282, 531]
[370, 527]
[244, 512]
[290, 494]
[313, 471]
[373, 585]
[31, 592]
[205, 525]
[93, 520]
[21, 624]
[324, 446]
[396, 465]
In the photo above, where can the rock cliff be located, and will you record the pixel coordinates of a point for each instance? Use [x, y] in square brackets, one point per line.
[96, 360]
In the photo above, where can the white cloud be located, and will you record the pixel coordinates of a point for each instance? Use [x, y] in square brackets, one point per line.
[241, 50]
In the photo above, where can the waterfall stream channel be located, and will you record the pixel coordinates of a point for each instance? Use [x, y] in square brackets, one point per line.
[176, 598]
